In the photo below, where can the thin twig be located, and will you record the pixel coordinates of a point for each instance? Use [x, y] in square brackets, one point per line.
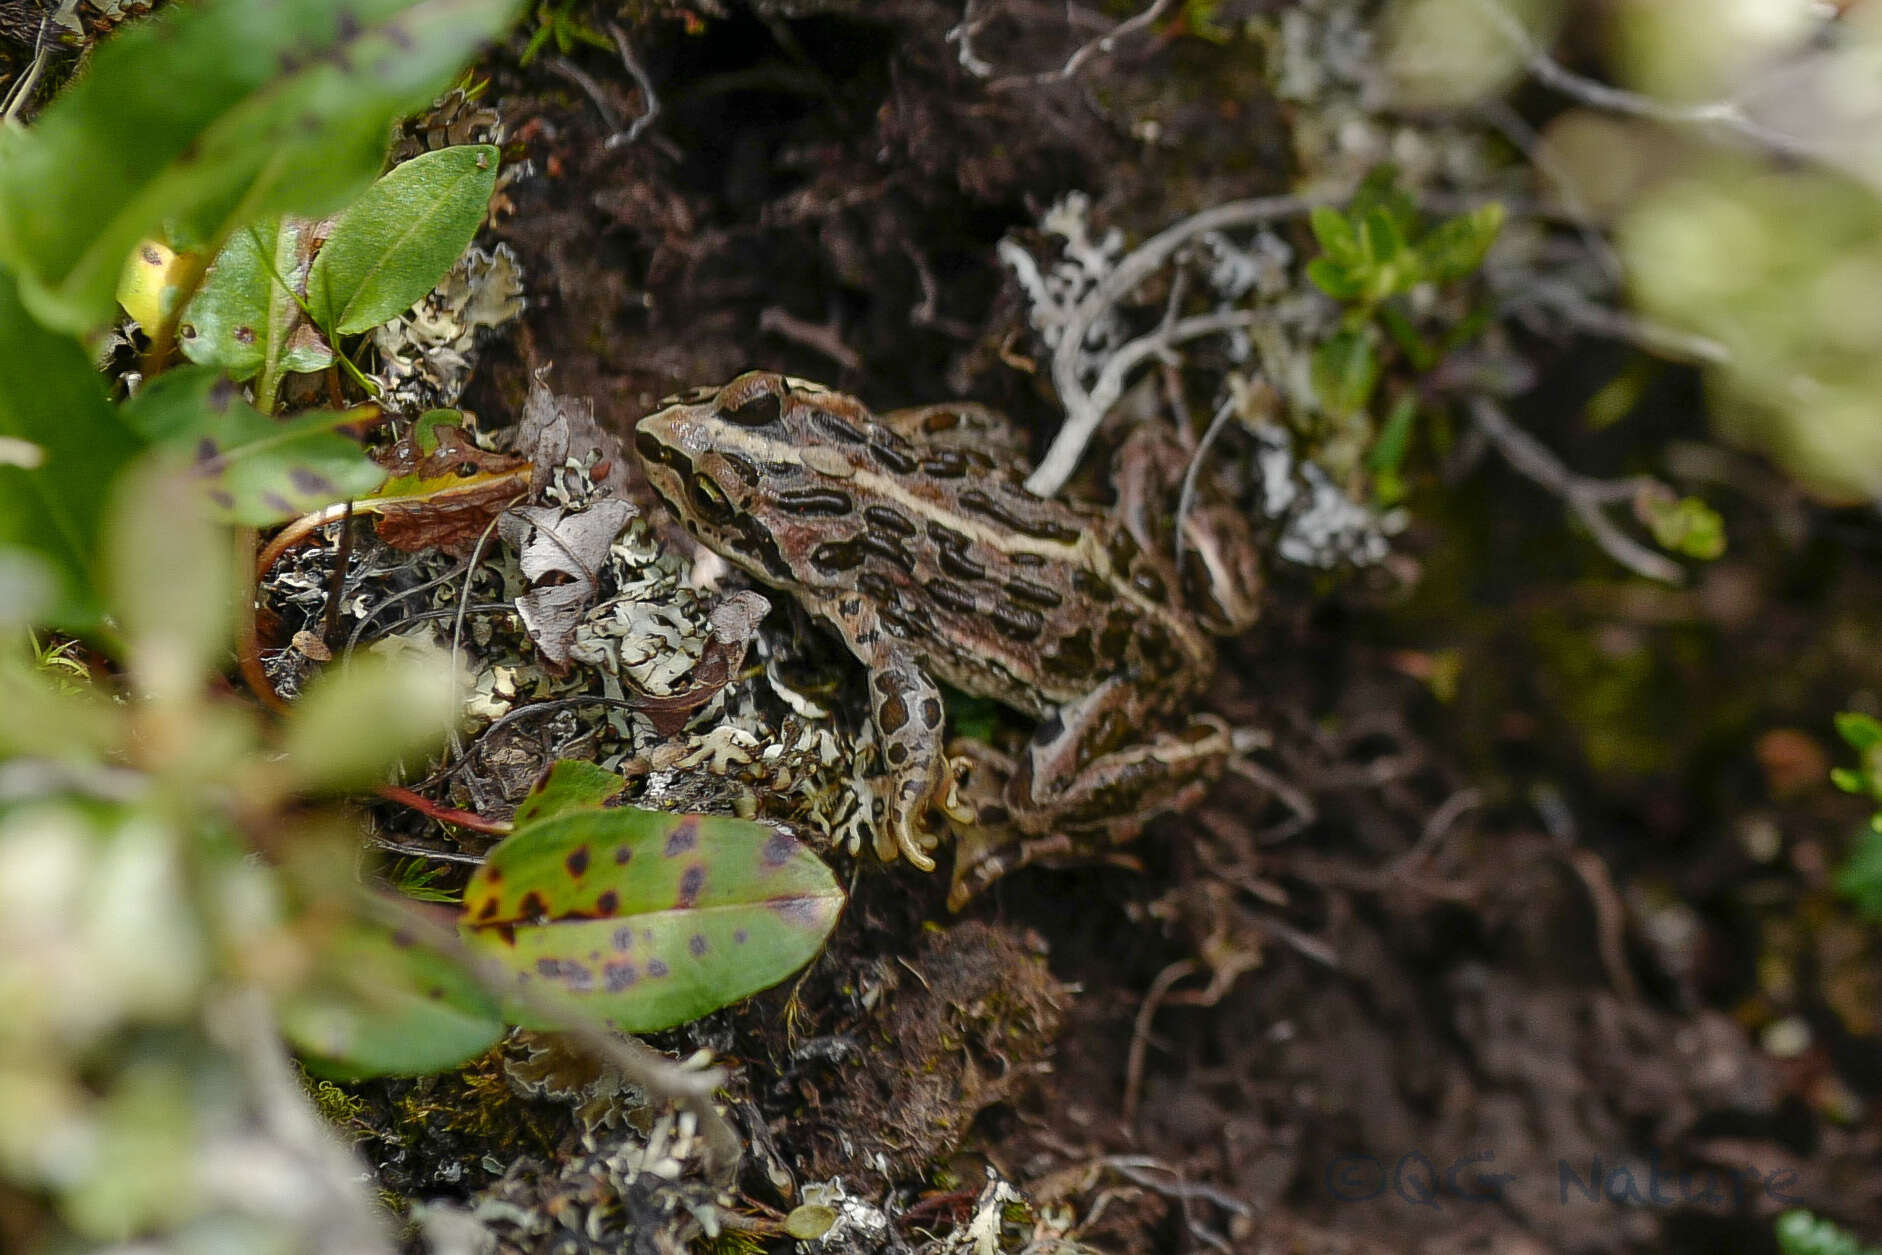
[1726, 115]
[1610, 919]
[1103, 45]
[1140, 1032]
[463, 602]
[1643, 333]
[1586, 498]
[1186, 500]
[651, 106]
[825, 339]
[1524, 139]
[1082, 414]
[576, 75]
[22, 90]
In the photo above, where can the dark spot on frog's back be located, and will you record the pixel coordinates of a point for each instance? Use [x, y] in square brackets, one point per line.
[1017, 622]
[1016, 515]
[696, 945]
[760, 546]
[889, 520]
[814, 502]
[692, 880]
[838, 555]
[619, 976]
[758, 411]
[952, 596]
[893, 456]
[1072, 656]
[886, 548]
[1089, 586]
[577, 861]
[1033, 593]
[837, 429]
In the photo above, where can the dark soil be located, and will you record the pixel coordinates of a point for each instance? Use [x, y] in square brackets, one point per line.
[1501, 986]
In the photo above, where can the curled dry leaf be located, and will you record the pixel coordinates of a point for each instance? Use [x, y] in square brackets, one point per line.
[555, 429]
[444, 498]
[560, 551]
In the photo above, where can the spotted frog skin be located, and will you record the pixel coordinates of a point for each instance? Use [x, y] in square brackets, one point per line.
[911, 535]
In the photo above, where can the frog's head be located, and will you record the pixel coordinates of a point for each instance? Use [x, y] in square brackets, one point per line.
[713, 455]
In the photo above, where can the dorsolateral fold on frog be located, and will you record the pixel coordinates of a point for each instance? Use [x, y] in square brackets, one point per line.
[911, 536]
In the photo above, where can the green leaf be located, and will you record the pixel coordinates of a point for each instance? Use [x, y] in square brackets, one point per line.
[571, 785]
[1387, 454]
[397, 240]
[1380, 240]
[244, 321]
[54, 484]
[1860, 877]
[1333, 279]
[1337, 238]
[355, 722]
[1456, 247]
[250, 468]
[1380, 191]
[381, 1005]
[1848, 779]
[1861, 732]
[646, 919]
[213, 114]
[172, 578]
[1687, 526]
[1345, 371]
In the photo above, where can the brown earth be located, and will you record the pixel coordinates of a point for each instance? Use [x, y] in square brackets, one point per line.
[1494, 979]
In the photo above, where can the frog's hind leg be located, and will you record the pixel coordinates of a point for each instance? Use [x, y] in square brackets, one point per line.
[959, 424]
[1091, 768]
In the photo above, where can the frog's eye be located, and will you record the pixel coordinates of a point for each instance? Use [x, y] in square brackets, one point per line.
[709, 499]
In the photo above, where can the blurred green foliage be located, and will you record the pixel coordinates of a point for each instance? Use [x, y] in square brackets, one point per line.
[1800, 1233]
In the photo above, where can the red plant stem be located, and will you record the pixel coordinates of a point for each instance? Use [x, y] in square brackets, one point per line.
[443, 814]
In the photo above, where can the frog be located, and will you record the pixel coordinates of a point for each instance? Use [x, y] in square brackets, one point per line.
[911, 535]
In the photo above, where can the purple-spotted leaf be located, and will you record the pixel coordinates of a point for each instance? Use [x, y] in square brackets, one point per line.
[571, 785]
[252, 469]
[644, 919]
[380, 1005]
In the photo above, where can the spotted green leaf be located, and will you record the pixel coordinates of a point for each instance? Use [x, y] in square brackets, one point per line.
[571, 785]
[213, 114]
[380, 1005]
[396, 241]
[252, 469]
[644, 919]
[245, 319]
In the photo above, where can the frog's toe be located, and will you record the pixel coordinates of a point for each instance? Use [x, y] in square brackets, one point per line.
[908, 841]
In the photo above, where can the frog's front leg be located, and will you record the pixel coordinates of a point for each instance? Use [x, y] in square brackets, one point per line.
[1093, 768]
[906, 708]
